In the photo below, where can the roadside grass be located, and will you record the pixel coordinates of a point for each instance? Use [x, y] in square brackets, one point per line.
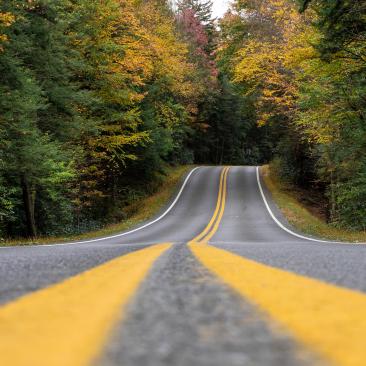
[302, 216]
[137, 213]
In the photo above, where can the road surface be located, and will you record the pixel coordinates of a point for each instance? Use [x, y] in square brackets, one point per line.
[216, 278]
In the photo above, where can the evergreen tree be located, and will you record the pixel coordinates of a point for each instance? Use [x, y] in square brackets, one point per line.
[35, 106]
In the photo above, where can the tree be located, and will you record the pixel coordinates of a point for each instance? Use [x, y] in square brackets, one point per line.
[32, 157]
[343, 27]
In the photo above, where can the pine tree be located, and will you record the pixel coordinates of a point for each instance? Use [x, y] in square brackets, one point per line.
[38, 107]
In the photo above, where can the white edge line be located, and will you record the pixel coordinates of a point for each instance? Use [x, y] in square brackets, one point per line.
[122, 234]
[284, 227]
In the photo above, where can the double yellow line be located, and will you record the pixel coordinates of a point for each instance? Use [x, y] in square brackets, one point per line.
[328, 320]
[213, 225]
[69, 323]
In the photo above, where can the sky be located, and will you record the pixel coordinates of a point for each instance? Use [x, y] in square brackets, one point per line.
[219, 7]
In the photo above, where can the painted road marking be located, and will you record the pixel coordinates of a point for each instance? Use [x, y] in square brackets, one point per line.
[126, 232]
[218, 204]
[213, 224]
[328, 319]
[222, 209]
[68, 323]
[279, 223]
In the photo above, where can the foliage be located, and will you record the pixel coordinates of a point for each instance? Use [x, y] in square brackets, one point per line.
[98, 97]
[306, 74]
[95, 97]
[303, 211]
[342, 25]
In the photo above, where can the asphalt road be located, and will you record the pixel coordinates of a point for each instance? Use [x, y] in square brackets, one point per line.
[184, 313]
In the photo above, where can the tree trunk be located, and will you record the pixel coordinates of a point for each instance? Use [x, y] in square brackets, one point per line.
[29, 197]
[333, 204]
[222, 152]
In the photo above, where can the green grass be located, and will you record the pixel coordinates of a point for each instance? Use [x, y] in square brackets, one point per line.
[302, 216]
[137, 212]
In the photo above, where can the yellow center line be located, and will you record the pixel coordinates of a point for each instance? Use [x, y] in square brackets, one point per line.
[217, 215]
[328, 319]
[68, 323]
[207, 228]
[222, 209]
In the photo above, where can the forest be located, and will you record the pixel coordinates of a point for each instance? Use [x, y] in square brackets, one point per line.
[98, 98]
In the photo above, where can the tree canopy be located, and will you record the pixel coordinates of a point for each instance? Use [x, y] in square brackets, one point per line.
[97, 98]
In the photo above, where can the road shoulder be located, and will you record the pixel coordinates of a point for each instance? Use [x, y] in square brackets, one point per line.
[143, 211]
[296, 217]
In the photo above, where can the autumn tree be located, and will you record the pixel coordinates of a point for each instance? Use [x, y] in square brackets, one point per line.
[304, 71]
[96, 98]
[332, 105]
